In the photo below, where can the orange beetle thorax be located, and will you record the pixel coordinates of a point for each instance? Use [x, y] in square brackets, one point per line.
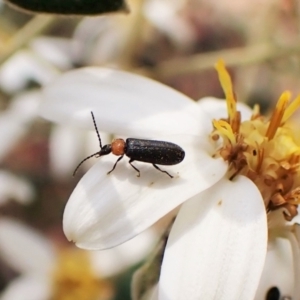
[118, 147]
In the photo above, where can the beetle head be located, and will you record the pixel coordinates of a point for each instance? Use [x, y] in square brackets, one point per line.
[106, 149]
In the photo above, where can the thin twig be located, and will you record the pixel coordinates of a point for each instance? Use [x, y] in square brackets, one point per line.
[135, 23]
[31, 29]
[250, 55]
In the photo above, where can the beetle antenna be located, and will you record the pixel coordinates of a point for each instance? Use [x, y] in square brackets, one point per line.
[95, 125]
[84, 161]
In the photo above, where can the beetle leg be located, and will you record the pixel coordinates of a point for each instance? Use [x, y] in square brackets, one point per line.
[130, 161]
[115, 164]
[156, 167]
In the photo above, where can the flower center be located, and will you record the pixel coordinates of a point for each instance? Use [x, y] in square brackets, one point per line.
[265, 150]
[74, 278]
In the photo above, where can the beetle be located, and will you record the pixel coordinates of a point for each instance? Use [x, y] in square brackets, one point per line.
[148, 151]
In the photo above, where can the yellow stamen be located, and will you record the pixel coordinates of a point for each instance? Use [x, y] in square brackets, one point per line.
[277, 116]
[267, 152]
[226, 84]
[260, 152]
[225, 130]
[291, 109]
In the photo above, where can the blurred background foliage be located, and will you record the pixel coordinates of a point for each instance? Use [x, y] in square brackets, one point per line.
[176, 42]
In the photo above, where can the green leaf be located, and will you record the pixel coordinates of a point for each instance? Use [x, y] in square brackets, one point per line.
[70, 7]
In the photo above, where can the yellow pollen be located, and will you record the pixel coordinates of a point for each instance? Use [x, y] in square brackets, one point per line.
[278, 114]
[74, 278]
[226, 84]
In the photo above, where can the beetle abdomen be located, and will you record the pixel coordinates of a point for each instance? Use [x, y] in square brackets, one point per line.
[154, 152]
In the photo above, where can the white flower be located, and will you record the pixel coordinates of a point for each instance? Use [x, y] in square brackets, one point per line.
[218, 243]
[46, 272]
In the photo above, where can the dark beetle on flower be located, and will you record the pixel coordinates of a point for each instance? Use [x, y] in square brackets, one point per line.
[148, 151]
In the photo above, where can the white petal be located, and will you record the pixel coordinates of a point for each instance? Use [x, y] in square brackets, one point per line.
[13, 187]
[28, 287]
[55, 50]
[284, 255]
[216, 108]
[165, 15]
[122, 103]
[25, 106]
[112, 261]
[278, 268]
[105, 37]
[22, 67]
[217, 245]
[106, 210]
[25, 249]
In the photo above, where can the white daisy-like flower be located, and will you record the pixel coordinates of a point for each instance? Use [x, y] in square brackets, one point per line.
[49, 272]
[239, 171]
